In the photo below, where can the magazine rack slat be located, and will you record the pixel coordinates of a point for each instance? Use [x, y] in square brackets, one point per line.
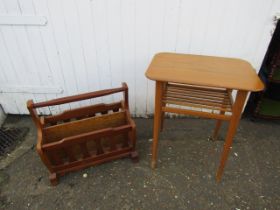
[86, 136]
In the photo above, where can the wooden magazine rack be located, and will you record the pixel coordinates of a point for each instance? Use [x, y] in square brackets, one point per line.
[86, 136]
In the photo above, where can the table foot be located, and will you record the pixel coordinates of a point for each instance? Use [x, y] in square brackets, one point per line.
[53, 177]
[153, 164]
[218, 177]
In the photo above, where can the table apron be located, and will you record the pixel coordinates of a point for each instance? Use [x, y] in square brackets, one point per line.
[196, 113]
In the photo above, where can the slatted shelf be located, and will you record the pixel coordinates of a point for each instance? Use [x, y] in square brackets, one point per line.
[198, 97]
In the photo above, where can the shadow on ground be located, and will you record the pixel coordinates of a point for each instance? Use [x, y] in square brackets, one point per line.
[184, 179]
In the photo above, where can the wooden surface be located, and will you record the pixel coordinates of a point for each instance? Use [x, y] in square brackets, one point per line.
[233, 125]
[85, 136]
[82, 112]
[66, 129]
[205, 71]
[157, 121]
[198, 97]
[194, 81]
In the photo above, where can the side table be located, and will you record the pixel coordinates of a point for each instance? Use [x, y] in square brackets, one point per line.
[201, 82]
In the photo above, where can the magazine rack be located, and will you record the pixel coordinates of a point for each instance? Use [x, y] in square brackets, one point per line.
[85, 136]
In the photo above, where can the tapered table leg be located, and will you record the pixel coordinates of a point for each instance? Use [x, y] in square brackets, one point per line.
[219, 122]
[236, 114]
[163, 105]
[157, 121]
[217, 128]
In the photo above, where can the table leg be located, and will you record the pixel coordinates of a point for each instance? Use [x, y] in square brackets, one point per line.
[157, 122]
[162, 118]
[219, 122]
[163, 105]
[236, 114]
[217, 128]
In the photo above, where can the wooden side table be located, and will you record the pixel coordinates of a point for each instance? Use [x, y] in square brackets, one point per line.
[203, 82]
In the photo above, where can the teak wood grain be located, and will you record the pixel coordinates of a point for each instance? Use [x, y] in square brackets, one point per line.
[83, 112]
[209, 71]
[204, 82]
[56, 132]
[85, 136]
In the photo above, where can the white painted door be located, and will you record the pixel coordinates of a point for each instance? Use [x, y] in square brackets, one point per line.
[53, 48]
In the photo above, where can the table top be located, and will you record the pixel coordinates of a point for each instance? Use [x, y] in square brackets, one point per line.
[203, 70]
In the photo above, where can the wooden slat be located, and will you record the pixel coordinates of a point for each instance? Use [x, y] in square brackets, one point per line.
[198, 97]
[93, 160]
[56, 157]
[193, 87]
[82, 138]
[84, 149]
[104, 112]
[230, 96]
[99, 149]
[196, 113]
[79, 97]
[58, 132]
[91, 115]
[224, 100]
[196, 105]
[125, 140]
[112, 143]
[82, 112]
[203, 91]
[70, 154]
[192, 103]
[196, 101]
[197, 94]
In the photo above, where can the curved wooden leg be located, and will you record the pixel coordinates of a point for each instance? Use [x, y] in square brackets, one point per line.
[157, 120]
[236, 114]
[53, 179]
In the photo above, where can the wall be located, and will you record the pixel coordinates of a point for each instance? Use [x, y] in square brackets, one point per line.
[2, 116]
[88, 45]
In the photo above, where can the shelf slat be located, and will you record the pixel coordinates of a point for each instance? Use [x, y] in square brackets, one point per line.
[198, 97]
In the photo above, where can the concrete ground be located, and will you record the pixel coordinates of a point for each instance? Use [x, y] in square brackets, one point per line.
[184, 179]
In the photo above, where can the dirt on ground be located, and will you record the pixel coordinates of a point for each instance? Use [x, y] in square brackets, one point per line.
[184, 178]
